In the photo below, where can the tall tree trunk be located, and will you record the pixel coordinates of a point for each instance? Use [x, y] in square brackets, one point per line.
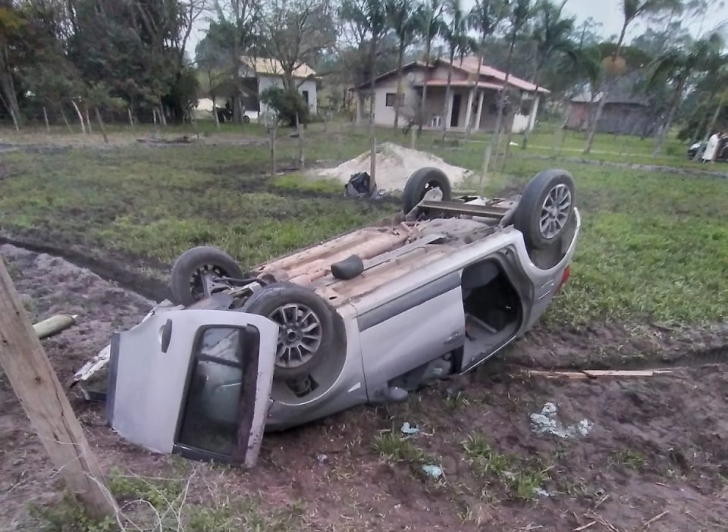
[670, 117]
[65, 120]
[101, 125]
[45, 117]
[88, 121]
[423, 101]
[604, 90]
[10, 99]
[214, 113]
[468, 129]
[162, 116]
[527, 133]
[80, 117]
[372, 136]
[400, 58]
[499, 119]
[711, 126]
[448, 94]
[131, 118]
[301, 156]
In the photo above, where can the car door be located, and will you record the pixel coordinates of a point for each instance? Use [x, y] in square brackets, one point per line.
[195, 382]
[411, 330]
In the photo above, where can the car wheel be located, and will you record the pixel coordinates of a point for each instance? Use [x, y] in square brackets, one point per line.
[246, 119]
[194, 272]
[545, 208]
[430, 183]
[306, 327]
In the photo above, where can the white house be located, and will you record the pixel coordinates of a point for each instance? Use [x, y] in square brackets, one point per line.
[269, 73]
[473, 101]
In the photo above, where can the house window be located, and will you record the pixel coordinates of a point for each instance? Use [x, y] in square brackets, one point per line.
[391, 97]
[305, 96]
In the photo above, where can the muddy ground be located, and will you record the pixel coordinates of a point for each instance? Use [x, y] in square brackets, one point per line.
[655, 457]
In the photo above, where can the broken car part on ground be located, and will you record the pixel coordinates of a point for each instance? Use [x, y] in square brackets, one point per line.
[366, 317]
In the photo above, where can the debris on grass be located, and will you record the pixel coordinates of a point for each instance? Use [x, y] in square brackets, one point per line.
[547, 422]
[322, 459]
[394, 166]
[432, 470]
[595, 373]
[53, 325]
[408, 429]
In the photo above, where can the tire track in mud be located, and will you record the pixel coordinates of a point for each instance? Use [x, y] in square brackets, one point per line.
[114, 272]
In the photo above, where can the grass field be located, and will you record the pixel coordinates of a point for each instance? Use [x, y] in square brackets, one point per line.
[654, 245]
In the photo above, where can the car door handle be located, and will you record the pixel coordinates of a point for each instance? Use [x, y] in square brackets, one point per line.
[453, 337]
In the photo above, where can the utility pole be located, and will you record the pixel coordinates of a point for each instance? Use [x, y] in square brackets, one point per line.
[36, 385]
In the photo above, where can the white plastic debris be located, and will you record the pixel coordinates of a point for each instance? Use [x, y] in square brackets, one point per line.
[539, 492]
[547, 422]
[408, 429]
[432, 470]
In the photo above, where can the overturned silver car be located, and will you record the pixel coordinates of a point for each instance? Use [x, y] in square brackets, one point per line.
[366, 317]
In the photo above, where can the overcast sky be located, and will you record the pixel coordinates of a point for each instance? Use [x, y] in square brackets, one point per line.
[606, 12]
[609, 13]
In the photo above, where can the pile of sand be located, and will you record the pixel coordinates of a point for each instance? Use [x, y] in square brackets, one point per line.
[394, 166]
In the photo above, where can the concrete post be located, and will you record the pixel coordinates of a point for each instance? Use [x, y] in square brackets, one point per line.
[480, 110]
[534, 111]
[469, 110]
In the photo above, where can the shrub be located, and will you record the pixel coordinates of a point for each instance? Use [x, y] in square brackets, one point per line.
[286, 103]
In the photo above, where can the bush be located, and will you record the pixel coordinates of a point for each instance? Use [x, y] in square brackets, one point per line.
[286, 103]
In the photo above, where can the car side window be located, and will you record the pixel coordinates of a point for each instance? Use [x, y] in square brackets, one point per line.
[210, 415]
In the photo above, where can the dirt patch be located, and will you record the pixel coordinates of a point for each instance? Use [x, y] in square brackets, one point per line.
[655, 445]
[115, 269]
[394, 166]
[608, 346]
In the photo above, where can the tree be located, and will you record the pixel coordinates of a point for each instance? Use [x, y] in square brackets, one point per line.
[371, 18]
[402, 19]
[677, 66]
[296, 32]
[456, 37]
[429, 24]
[233, 33]
[11, 29]
[631, 11]
[551, 35]
[518, 16]
[484, 18]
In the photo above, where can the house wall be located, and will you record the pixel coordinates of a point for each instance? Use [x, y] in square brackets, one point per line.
[309, 85]
[434, 106]
[383, 114]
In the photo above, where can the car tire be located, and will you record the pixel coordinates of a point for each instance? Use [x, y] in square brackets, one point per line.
[545, 208]
[246, 119]
[188, 272]
[420, 183]
[306, 327]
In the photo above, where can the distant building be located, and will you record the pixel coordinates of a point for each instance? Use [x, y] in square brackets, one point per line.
[261, 73]
[626, 112]
[473, 102]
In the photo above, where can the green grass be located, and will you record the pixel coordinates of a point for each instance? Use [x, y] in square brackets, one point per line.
[653, 246]
[521, 477]
[169, 505]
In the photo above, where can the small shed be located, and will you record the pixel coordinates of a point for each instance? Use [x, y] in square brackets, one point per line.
[626, 111]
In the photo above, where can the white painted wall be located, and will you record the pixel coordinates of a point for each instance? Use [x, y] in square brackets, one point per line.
[384, 115]
[309, 85]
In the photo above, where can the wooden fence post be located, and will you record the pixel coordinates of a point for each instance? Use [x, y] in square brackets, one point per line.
[36, 385]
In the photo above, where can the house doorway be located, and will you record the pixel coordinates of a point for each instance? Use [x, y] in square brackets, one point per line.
[455, 116]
